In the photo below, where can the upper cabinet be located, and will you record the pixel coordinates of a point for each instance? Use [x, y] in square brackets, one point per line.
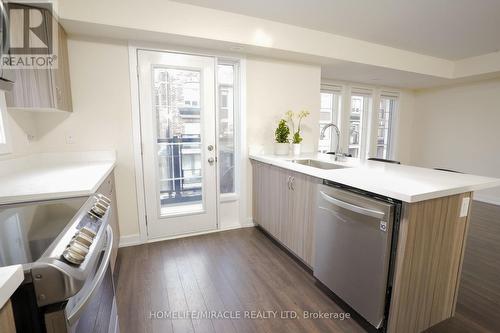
[46, 89]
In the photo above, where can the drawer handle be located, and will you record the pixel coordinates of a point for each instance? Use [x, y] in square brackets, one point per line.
[357, 209]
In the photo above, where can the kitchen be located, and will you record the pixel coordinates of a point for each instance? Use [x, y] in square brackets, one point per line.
[441, 100]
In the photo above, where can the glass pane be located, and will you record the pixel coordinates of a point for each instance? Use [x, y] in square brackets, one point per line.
[330, 106]
[355, 124]
[177, 105]
[226, 128]
[386, 111]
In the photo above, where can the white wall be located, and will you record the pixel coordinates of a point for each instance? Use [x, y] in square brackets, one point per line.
[101, 119]
[274, 87]
[458, 128]
[406, 115]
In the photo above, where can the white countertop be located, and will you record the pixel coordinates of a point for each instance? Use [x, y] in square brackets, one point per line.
[402, 182]
[53, 175]
[10, 278]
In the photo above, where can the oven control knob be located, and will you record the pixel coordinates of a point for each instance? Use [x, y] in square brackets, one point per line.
[72, 256]
[103, 198]
[88, 231]
[82, 238]
[97, 212]
[78, 247]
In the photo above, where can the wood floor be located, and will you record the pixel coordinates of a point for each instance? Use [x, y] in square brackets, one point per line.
[242, 270]
[478, 305]
[237, 271]
[479, 293]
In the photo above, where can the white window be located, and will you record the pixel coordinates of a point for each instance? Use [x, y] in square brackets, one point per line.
[227, 79]
[385, 132]
[358, 121]
[331, 104]
[4, 137]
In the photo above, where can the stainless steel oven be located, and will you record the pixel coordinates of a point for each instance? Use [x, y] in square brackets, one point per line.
[65, 249]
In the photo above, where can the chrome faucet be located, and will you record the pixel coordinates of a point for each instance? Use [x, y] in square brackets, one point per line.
[338, 153]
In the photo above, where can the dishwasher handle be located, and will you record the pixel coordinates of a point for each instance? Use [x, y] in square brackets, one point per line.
[354, 208]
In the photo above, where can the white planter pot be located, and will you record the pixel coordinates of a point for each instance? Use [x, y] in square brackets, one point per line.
[281, 148]
[296, 148]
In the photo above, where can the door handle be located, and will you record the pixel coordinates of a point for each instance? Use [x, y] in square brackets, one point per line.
[288, 182]
[211, 160]
[291, 183]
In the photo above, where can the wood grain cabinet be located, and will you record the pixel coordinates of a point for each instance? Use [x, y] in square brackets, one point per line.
[284, 205]
[7, 324]
[44, 89]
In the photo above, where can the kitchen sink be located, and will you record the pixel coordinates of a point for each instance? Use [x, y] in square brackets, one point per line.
[318, 164]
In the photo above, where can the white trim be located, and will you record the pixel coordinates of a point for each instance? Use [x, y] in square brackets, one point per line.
[133, 46]
[207, 232]
[135, 239]
[137, 143]
[229, 197]
[243, 143]
[130, 240]
[370, 126]
[487, 198]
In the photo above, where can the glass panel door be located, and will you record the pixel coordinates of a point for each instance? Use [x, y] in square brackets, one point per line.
[177, 106]
[177, 97]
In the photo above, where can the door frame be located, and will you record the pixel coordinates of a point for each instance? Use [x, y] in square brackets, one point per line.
[240, 138]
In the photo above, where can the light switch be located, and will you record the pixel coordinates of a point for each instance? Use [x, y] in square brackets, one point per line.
[464, 210]
[70, 139]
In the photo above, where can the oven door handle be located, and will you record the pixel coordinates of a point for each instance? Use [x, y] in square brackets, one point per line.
[101, 272]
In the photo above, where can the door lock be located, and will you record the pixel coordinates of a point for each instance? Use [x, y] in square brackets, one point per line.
[210, 147]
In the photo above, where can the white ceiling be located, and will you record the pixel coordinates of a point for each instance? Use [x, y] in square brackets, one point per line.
[450, 29]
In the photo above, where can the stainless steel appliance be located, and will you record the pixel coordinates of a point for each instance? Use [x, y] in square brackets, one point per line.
[6, 76]
[353, 249]
[65, 248]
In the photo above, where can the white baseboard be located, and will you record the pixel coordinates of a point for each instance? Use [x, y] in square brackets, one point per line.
[248, 224]
[130, 240]
[486, 198]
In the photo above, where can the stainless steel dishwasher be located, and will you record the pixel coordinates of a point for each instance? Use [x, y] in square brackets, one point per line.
[353, 249]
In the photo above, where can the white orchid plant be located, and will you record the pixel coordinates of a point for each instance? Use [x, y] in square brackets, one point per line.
[291, 116]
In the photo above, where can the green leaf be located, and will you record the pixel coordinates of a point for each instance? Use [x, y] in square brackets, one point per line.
[282, 132]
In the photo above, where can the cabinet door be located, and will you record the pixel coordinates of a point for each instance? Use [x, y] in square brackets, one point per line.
[273, 188]
[303, 212]
[282, 194]
[256, 192]
[310, 196]
[62, 84]
[269, 197]
[46, 89]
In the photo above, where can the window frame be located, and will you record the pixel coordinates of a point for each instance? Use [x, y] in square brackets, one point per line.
[391, 141]
[236, 63]
[334, 90]
[365, 122]
[370, 123]
[5, 147]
